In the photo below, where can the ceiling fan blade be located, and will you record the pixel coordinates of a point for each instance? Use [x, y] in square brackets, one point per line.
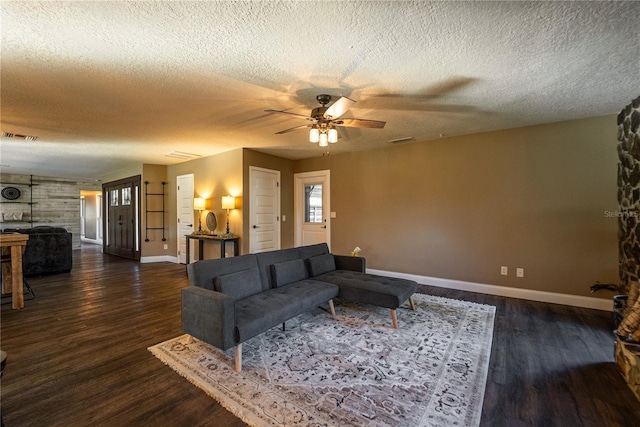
[301, 116]
[292, 129]
[433, 91]
[339, 107]
[360, 123]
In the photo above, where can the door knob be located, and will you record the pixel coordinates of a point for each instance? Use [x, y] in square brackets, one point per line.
[256, 226]
[189, 225]
[324, 226]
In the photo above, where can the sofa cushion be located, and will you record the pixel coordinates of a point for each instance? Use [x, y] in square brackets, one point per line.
[267, 309]
[309, 251]
[382, 291]
[241, 284]
[284, 273]
[321, 264]
[201, 273]
[267, 259]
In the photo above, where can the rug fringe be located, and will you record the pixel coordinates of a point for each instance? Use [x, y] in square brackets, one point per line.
[223, 402]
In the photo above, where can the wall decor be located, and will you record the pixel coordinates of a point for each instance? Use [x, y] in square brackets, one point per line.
[11, 193]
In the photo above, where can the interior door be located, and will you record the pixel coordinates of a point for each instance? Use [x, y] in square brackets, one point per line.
[185, 214]
[311, 197]
[264, 210]
[122, 219]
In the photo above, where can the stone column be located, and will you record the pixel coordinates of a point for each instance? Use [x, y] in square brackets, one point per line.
[627, 355]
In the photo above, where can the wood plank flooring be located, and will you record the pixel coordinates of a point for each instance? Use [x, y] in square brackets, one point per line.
[77, 356]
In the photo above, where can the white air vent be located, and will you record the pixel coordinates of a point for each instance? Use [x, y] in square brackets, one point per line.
[399, 140]
[18, 136]
[182, 155]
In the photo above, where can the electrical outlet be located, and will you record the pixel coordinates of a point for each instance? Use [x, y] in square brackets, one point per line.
[166, 246]
[520, 272]
[284, 218]
[504, 270]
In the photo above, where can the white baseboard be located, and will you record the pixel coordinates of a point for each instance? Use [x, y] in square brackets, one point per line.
[504, 291]
[160, 258]
[93, 241]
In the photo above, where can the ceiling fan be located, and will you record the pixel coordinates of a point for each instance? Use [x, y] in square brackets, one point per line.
[324, 119]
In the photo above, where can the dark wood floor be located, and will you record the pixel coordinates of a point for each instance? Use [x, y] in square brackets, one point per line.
[78, 356]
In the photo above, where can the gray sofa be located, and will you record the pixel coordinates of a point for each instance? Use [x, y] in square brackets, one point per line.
[48, 250]
[231, 300]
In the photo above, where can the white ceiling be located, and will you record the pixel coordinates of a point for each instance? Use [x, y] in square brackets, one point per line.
[107, 84]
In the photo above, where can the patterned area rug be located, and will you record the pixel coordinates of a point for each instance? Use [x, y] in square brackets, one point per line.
[355, 370]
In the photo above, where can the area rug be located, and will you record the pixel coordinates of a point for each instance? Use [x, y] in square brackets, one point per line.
[354, 370]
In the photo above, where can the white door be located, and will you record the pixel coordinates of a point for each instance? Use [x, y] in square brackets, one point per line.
[185, 214]
[264, 210]
[311, 199]
[99, 218]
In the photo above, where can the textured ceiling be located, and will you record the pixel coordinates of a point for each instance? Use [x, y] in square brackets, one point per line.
[107, 84]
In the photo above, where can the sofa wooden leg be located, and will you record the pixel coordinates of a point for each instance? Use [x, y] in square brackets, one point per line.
[238, 357]
[412, 303]
[394, 320]
[332, 309]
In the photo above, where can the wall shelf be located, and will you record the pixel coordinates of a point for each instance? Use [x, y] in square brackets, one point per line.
[147, 197]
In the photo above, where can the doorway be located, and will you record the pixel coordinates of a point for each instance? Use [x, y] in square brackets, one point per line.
[91, 216]
[121, 205]
[312, 207]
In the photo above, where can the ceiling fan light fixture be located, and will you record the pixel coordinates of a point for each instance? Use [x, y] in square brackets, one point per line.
[323, 140]
[333, 136]
[314, 135]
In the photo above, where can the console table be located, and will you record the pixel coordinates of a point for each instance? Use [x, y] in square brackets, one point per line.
[201, 238]
[16, 243]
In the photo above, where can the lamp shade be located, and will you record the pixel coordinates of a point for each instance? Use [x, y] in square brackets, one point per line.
[314, 135]
[323, 140]
[333, 136]
[228, 202]
[199, 204]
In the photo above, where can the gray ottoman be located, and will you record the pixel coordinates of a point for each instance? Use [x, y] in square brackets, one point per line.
[371, 289]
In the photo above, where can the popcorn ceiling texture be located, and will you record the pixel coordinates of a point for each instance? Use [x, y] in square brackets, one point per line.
[105, 85]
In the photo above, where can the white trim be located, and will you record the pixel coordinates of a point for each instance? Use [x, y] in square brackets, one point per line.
[159, 258]
[92, 241]
[505, 291]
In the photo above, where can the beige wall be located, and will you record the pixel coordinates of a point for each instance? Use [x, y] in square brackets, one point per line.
[214, 177]
[459, 208]
[285, 166]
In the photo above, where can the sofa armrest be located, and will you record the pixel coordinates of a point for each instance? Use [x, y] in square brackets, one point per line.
[351, 263]
[209, 316]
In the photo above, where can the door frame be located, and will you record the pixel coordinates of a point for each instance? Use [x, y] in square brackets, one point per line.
[298, 202]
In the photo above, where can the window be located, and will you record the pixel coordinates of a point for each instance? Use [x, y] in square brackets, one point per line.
[313, 203]
[113, 200]
[126, 196]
